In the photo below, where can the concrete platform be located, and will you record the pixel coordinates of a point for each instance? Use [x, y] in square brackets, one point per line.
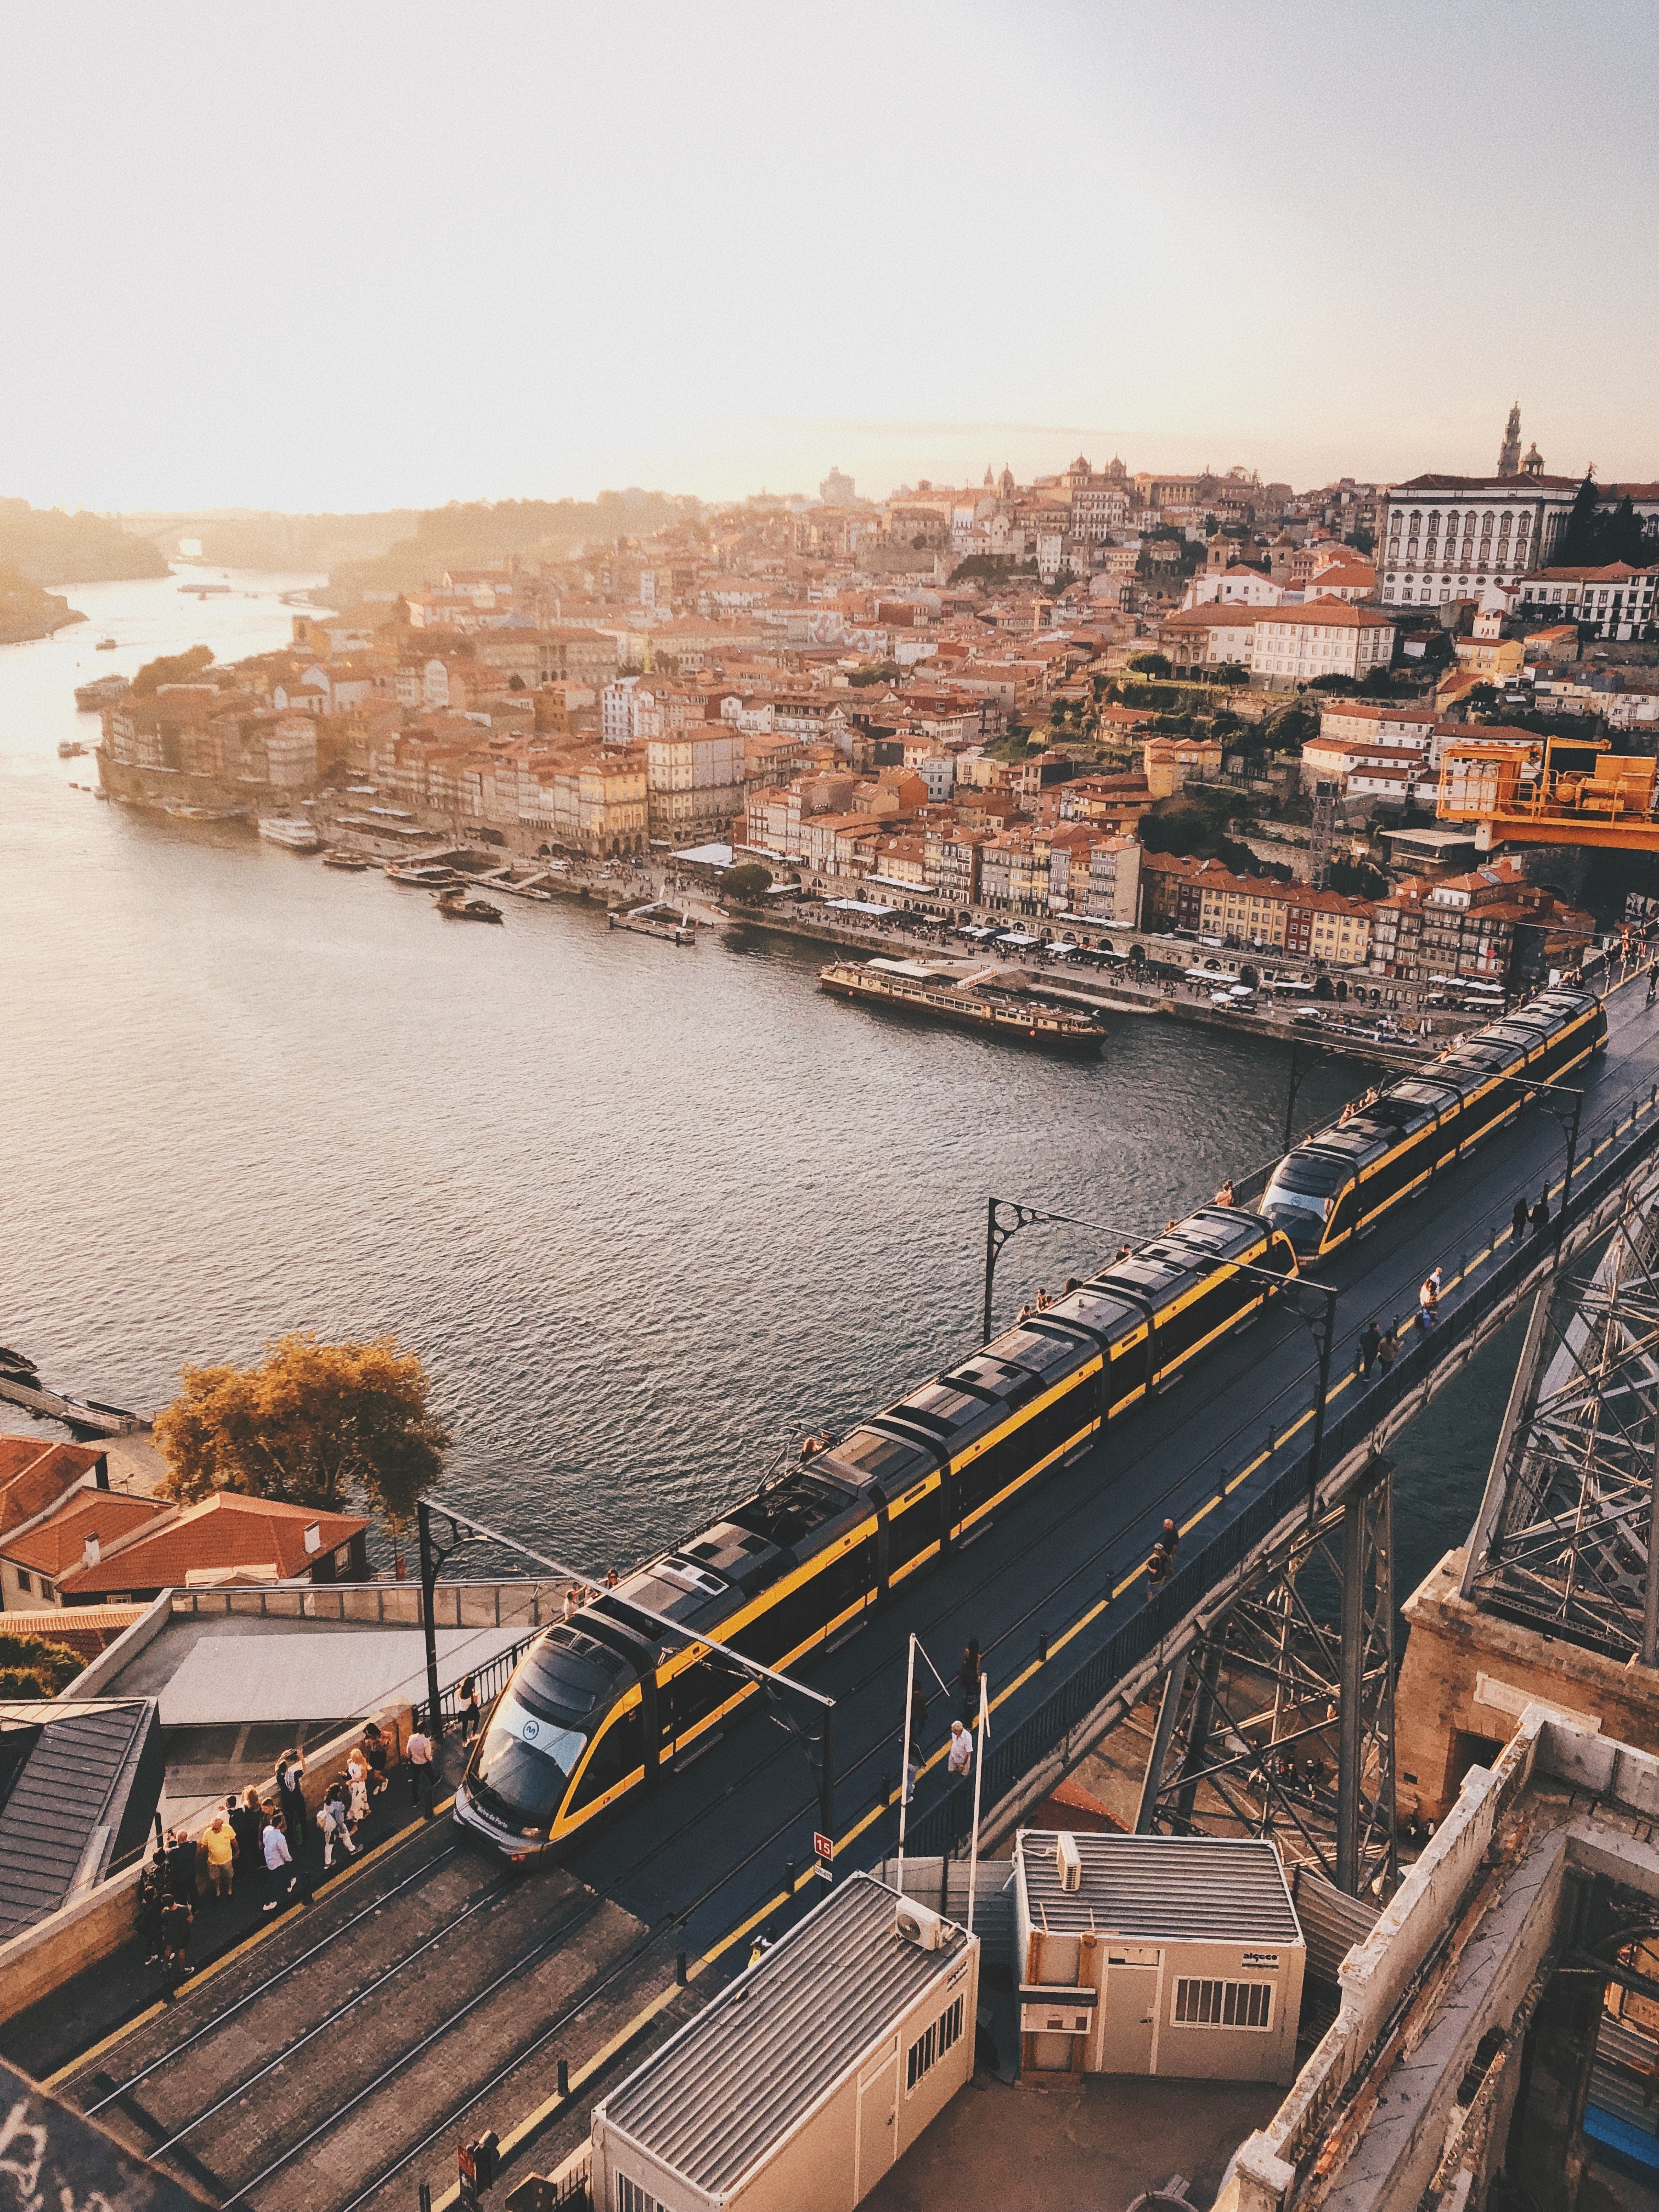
[1091, 2143]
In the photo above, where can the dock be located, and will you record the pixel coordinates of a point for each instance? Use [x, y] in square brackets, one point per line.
[674, 926]
[79, 1412]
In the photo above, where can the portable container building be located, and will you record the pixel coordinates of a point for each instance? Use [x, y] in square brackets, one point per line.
[1177, 1955]
[800, 2086]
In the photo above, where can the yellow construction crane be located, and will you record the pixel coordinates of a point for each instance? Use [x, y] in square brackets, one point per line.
[1553, 791]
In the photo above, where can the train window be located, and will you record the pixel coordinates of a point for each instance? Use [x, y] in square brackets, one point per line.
[1128, 1370]
[912, 1530]
[992, 1471]
[618, 1752]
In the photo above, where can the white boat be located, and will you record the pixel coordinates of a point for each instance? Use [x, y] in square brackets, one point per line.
[299, 836]
[70, 749]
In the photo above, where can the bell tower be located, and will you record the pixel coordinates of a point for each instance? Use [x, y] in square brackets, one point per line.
[1509, 459]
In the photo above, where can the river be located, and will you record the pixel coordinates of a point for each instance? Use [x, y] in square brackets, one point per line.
[642, 1210]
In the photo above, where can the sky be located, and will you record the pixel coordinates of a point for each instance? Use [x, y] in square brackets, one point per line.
[325, 257]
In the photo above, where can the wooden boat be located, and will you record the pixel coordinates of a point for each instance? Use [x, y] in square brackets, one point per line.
[455, 906]
[989, 999]
[657, 920]
[337, 858]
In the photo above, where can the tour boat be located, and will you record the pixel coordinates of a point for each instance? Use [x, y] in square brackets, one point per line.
[423, 876]
[657, 920]
[979, 999]
[299, 836]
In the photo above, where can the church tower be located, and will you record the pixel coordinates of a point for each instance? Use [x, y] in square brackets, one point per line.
[1508, 460]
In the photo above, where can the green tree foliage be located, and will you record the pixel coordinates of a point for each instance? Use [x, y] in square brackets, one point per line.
[1289, 729]
[1578, 541]
[1356, 879]
[747, 883]
[171, 668]
[1150, 664]
[314, 1424]
[31, 1667]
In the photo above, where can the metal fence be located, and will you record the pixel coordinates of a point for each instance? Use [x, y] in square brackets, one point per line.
[1148, 1620]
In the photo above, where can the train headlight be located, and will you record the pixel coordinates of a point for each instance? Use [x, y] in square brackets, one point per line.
[537, 1833]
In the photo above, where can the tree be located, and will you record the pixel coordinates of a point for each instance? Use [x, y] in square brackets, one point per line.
[314, 1424]
[1622, 537]
[1579, 541]
[1356, 879]
[30, 1667]
[1150, 664]
[747, 883]
[1290, 729]
[171, 668]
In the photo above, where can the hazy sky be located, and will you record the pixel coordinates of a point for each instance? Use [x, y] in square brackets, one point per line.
[351, 256]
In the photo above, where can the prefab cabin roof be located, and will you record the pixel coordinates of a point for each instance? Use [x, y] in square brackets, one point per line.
[738, 2079]
[1170, 1889]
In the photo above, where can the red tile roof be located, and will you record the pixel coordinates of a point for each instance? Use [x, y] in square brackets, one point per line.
[33, 1475]
[57, 1545]
[224, 1533]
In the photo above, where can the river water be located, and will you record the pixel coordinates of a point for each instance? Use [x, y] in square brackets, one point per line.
[641, 1210]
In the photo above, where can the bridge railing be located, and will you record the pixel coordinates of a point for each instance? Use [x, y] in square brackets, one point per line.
[1148, 1620]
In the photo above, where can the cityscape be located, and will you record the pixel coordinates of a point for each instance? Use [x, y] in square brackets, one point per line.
[935, 1487]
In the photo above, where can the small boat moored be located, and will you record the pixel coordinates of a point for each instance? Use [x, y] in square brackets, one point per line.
[990, 999]
[455, 906]
[106, 645]
[340, 859]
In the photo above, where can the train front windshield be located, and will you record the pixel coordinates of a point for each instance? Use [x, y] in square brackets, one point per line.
[1302, 1197]
[525, 1760]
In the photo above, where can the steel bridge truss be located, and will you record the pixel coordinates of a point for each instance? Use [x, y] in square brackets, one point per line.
[1278, 1719]
[1564, 1538]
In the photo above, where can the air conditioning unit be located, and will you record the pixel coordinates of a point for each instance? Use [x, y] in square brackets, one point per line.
[915, 1924]
[1067, 1861]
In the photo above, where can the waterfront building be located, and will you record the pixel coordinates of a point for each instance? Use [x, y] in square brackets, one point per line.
[99, 1548]
[1489, 926]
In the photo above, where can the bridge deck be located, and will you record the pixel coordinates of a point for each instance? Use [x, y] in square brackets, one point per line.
[701, 1864]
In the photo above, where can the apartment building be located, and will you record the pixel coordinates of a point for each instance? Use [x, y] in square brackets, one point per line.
[694, 781]
[1617, 601]
[1489, 926]
[1323, 637]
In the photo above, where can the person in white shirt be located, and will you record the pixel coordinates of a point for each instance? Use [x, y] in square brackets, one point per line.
[422, 1773]
[961, 1755]
[279, 1877]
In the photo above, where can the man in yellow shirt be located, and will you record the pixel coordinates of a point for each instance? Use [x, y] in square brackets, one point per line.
[221, 1842]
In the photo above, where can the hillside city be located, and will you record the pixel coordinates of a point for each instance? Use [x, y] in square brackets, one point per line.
[1110, 697]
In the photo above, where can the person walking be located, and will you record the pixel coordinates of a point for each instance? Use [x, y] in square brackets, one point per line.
[960, 1757]
[420, 1755]
[358, 1788]
[1169, 1538]
[280, 1880]
[1370, 1343]
[1388, 1348]
[1428, 1303]
[1519, 1218]
[466, 1707]
[1159, 1567]
[220, 1842]
[1541, 1214]
[175, 1939]
[967, 1679]
[291, 1793]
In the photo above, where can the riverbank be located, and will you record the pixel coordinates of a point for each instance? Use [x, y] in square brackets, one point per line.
[28, 613]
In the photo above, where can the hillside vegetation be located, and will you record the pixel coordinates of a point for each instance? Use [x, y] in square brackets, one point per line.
[472, 535]
[46, 546]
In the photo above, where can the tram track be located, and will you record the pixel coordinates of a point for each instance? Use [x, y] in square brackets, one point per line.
[662, 1843]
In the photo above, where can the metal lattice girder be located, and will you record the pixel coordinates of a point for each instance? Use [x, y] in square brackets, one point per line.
[1281, 1719]
[1563, 1536]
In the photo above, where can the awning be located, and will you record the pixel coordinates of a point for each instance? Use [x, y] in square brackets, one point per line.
[860, 906]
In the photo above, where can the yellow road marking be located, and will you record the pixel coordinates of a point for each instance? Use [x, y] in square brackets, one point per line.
[238, 1950]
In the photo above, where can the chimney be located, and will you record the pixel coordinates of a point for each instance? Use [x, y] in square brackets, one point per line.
[90, 1553]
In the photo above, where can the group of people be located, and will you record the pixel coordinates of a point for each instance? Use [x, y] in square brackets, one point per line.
[249, 1832]
[1160, 1565]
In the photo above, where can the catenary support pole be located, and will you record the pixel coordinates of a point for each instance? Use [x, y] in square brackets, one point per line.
[990, 1267]
[1316, 1452]
[1350, 1689]
[1174, 1683]
[435, 1719]
[827, 1784]
[983, 1733]
[904, 1756]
